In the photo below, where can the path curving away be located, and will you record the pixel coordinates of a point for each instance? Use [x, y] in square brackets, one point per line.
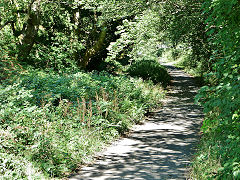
[162, 147]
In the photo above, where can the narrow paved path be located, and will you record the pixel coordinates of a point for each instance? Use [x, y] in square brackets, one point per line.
[162, 147]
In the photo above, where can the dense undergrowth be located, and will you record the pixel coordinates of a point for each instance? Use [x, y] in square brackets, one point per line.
[51, 123]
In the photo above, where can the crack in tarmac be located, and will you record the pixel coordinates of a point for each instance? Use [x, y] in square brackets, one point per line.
[161, 148]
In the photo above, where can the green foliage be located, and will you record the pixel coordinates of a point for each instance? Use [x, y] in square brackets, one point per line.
[44, 31]
[150, 70]
[183, 25]
[8, 62]
[53, 55]
[221, 99]
[218, 153]
[51, 123]
[15, 167]
[139, 39]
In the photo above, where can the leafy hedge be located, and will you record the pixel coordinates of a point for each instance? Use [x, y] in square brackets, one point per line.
[51, 123]
[150, 70]
[219, 155]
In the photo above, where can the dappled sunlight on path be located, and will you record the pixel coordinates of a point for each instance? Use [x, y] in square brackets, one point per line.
[162, 147]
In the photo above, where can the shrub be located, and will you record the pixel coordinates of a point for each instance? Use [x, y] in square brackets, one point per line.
[150, 70]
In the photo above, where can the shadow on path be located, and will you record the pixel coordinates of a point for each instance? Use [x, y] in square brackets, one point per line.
[162, 147]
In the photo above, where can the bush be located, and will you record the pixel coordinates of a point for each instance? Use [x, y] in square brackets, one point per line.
[150, 70]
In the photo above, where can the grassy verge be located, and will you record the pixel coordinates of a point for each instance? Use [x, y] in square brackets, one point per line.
[52, 123]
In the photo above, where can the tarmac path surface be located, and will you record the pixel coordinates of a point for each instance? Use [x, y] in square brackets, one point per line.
[159, 149]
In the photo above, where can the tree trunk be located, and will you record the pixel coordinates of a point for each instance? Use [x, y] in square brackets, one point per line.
[30, 31]
[94, 49]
